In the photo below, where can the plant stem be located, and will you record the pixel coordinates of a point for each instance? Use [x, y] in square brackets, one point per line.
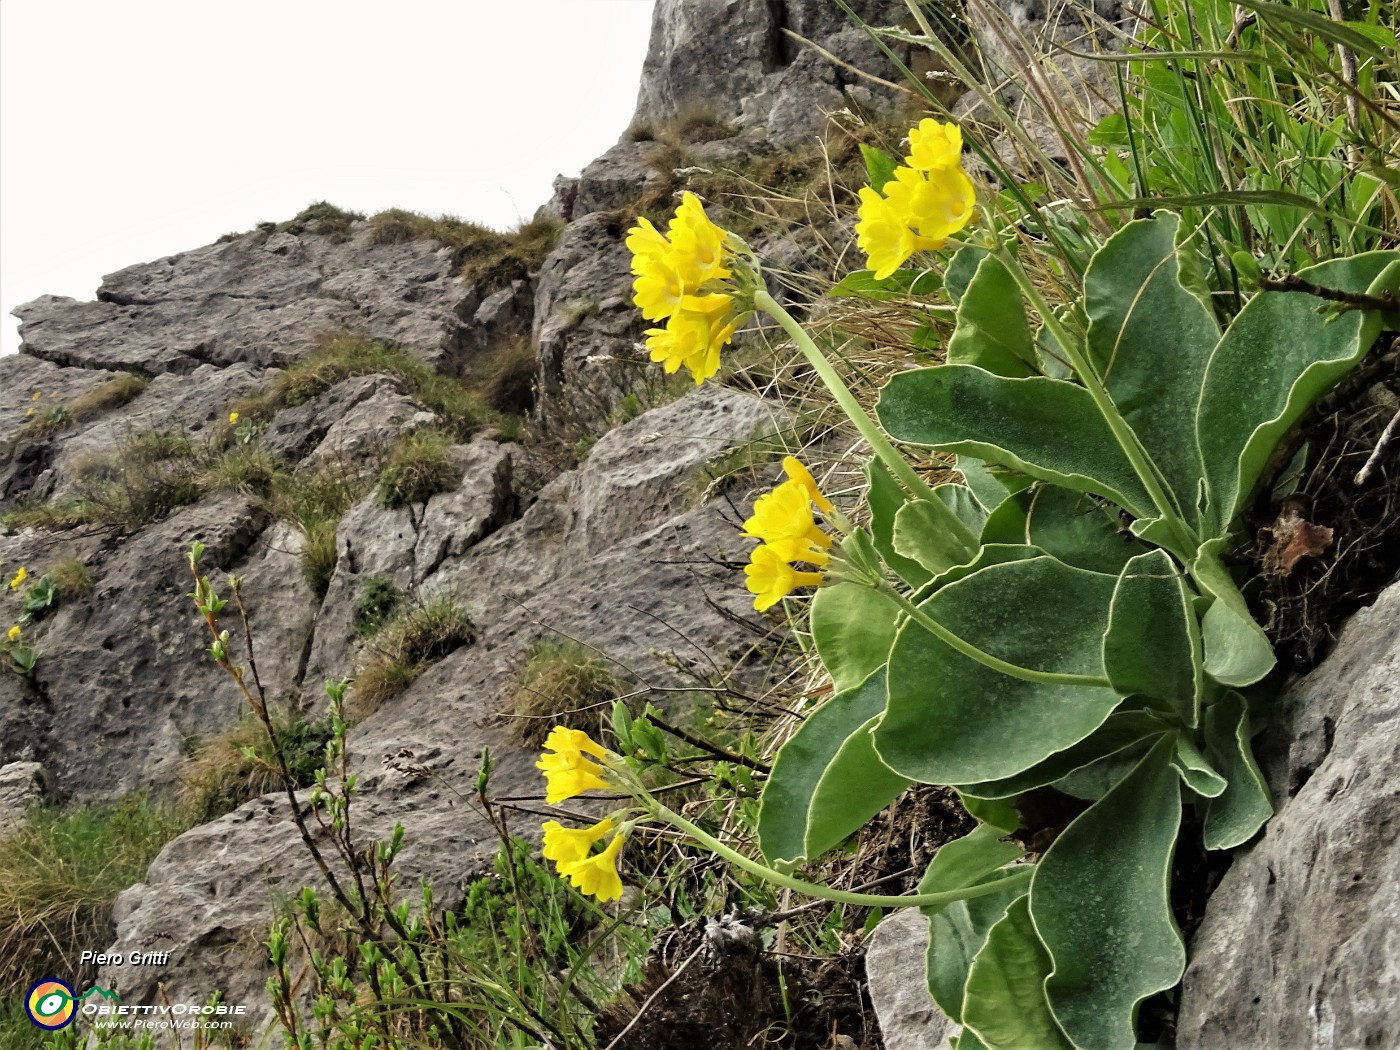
[1141, 462]
[811, 889]
[893, 461]
[986, 659]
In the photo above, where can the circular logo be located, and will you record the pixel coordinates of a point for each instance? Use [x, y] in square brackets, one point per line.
[50, 1004]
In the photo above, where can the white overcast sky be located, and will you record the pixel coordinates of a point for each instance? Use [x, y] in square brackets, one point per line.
[135, 129]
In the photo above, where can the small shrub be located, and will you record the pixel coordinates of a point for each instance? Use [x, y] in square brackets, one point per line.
[322, 218]
[379, 601]
[418, 467]
[405, 646]
[148, 476]
[58, 877]
[563, 683]
[238, 765]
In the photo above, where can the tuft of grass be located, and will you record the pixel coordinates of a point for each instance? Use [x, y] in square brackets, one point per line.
[416, 637]
[344, 354]
[58, 877]
[379, 601]
[508, 385]
[314, 499]
[239, 764]
[71, 579]
[563, 683]
[417, 468]
[243, 468]
[149, 475]
[113, 394]
[322, 218]
[490, 257]
[48, 517]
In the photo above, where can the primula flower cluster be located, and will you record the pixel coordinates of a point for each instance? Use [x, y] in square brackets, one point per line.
[783, 520]
[569, 771]
[680, 277]
[929, 199]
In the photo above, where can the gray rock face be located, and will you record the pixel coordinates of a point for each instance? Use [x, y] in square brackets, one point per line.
[1299, 944]
[740, 60]
[257, 299]
[895, 968]
[21, 785]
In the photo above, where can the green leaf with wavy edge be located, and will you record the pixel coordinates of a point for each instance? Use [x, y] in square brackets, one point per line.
[992, 330]
[958, 930]
[1004, 1004]
[1150, 340]
[1153, 642]
[853, 628]
[1236, 650]
[1075, 527]
[1283, 351]
[961, 269]
[1100, 901]
[827, 781]
[1046, 428]
[1121, 731]
[986, 487]
[879, 166]
[1233, 817]
[1000, 813]
[1195, 769]
[885, 499]
[987, 554]
[951, 720]
[897, 287]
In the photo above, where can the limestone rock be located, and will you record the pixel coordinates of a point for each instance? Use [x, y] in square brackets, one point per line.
[895, 969]
[21, 786]
[1298, 945]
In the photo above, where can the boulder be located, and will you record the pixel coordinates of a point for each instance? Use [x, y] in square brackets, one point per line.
[1298, 948]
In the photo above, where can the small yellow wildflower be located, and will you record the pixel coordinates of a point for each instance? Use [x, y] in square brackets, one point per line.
[926, 202]
[20, 577]
[782, 519]
[597, 875]
[14, 633]
[699, 328]
[796, 472]
[934, 146]
[770, 578]
[568, 772]
[566, 845]
[29, 411]
[232, 418]
[36, 395]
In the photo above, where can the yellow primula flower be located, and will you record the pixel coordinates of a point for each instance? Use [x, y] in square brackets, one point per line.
[658, 289]
[698, 242]
[20, 577]
[883, 234]
[14, 633]
[568, 772]
[934, 146]
[694, 336]
[770, 578]
[935, 205]
[36, 395]
[677, 264]
[783, 520]
[566, 845]
[793, 468]
[233, 418]
[597, 875]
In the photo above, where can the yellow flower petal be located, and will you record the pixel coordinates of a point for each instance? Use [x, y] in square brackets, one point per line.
[934, 146]
[566, 845]
[597, 875]
[770, 578]
[794, 469]
[14, 633]
[20, 577]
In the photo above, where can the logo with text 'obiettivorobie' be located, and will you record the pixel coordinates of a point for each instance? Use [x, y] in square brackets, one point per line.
[51, 1003]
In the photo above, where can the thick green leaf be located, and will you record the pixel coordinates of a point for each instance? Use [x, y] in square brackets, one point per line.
[985, 486]
[1153, 644]
[961, 269]
[885, 499]
[1151, 339]
[1283, 351]
[958, 930]
[964, 504]
[1100, 902]
[951, 720]
[1042, 427]
[1233, 817]
[993, 331]
[897, 287]
[1004, 1004]
[1195, 770]
[879, 165]
[1120, 732]
[853, 628]
[827, 781]
[1076, 528]
[1000, 813]
[989, 554]
[921, 535]
[1237, 652]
